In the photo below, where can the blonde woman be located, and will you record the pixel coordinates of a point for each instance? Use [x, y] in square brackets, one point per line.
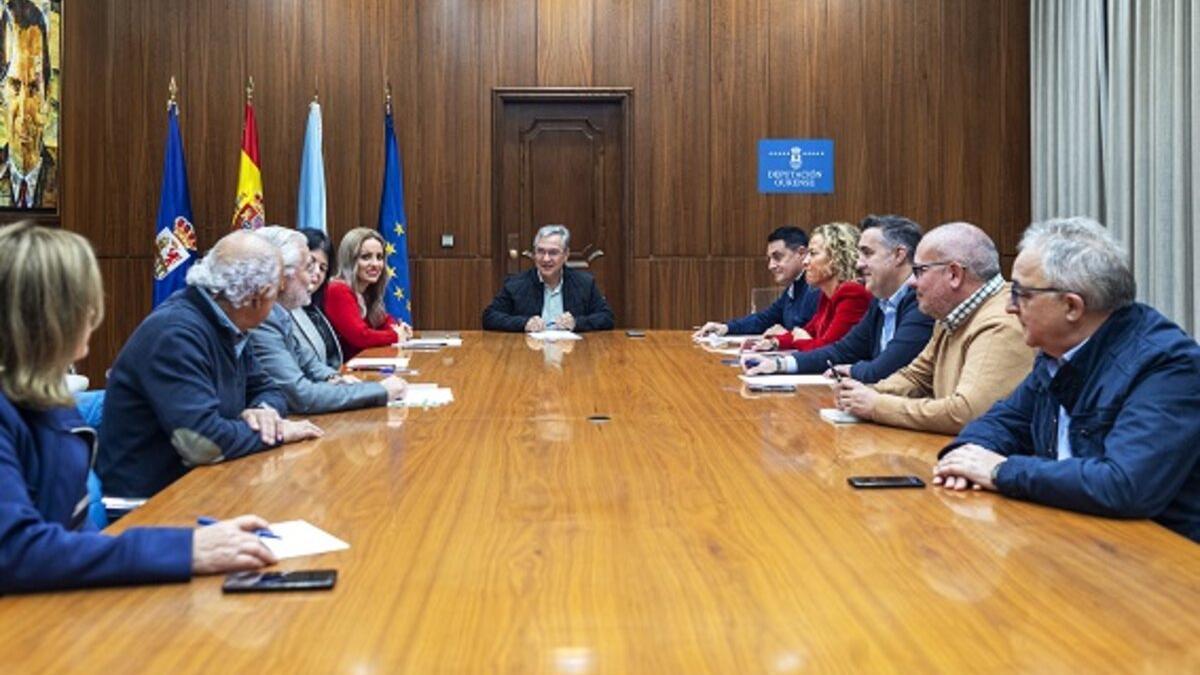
[51, 300]
[829, 266]
[354, 299]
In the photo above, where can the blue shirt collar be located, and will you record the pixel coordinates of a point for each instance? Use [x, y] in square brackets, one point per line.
[893, 301]
[239, 338]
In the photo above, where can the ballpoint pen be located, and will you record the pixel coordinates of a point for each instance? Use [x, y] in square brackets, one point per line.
[263, 532]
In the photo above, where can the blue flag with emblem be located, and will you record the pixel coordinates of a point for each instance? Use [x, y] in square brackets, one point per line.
[174, 234]
[393, 225]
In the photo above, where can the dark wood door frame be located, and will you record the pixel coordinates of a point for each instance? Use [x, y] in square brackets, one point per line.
[502, 96]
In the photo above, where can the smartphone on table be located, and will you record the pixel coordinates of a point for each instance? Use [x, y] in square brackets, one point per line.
[294, 580]
[874, 482]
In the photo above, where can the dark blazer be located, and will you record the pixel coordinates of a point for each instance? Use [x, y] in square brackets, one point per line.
[522, 295]
[860, 347]
[46, 539]
[793, 308]
[1132, 392]
[175, 396]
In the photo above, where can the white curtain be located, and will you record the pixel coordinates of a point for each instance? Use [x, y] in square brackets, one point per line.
[1116, 102]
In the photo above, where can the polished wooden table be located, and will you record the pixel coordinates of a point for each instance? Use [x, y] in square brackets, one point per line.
[695, 528]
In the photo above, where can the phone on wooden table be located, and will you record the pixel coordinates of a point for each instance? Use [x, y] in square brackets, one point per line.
[873, 482]
[295, 580]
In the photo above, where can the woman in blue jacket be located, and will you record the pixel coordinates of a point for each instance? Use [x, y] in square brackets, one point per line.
[50, 301]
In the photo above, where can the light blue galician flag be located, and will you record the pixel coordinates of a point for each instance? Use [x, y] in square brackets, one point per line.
[393, 225]
[310, 212]
[174, 234]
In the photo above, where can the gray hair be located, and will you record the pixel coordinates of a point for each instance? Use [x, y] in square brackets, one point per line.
[240, 266]
[1079, 255]
[551, 231]
[896, 231]
[291, 244]
[967, 245]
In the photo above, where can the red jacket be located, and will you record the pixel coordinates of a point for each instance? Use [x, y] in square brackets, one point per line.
[835, 316]
[353, 331]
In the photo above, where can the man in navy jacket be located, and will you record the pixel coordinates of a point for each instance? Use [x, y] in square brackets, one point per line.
[186, 389]
[794, 307]
[1107, 421]
[550, 295]
[894, 330]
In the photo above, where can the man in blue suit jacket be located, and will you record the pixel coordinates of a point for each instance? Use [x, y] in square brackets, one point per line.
[894, 330]
[1106, 423]
[794, 307]
[549, 296]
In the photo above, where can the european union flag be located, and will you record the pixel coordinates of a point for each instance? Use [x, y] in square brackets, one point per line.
[393, 225]
[175, 236]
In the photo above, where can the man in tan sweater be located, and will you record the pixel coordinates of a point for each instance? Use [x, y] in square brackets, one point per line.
[977, 354]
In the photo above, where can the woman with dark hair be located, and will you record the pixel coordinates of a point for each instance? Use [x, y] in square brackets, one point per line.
[51, 299]
[354, 299]
[314, 329]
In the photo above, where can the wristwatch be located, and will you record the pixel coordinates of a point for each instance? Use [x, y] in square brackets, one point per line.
[996, 472]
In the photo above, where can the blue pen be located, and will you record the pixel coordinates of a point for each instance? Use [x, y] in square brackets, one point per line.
[750, 363]
[264, 532]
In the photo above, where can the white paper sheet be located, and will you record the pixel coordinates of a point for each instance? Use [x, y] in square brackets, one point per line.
[299, 538]
[835, 416]
[555, 335]
[798, 380]
[377, 362]
[724, 340]
[424, 395]
[431, 343]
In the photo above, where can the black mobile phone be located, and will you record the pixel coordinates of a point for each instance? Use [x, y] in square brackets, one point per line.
[772, 388]
[295, 580]
[867, 482]
[633, 333]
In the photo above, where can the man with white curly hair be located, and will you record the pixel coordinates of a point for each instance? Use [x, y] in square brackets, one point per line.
[1107, 421]
[185, 389]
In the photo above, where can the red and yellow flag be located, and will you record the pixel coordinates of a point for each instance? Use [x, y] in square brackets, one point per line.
[249, 212]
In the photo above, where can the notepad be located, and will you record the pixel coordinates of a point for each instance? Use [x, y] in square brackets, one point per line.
[424, 395]
[555, 335]
[723, 340]
[377, 362]
[798, 380]
[299, 538]
[835, 416]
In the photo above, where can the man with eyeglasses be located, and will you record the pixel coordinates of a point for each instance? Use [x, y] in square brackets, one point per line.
[551, 296]
[976, 354]
[308, 384]
[1107, 423]
[186, 389]
[894, 330]
[794, 307]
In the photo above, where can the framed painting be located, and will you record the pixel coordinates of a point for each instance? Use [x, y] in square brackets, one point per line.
[30, 95]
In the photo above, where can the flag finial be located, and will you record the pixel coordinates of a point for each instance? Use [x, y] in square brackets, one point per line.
[173, 90]
[250, 88]
[387, 88]
[316, 91]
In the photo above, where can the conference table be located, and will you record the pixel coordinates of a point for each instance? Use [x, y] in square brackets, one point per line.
[626, 505]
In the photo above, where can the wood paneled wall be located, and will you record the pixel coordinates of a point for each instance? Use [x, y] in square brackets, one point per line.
[927, 101]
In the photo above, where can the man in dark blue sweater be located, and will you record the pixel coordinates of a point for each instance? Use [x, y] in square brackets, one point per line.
[786, 247]
[185, 389]
[1106, 423]
[894, 330]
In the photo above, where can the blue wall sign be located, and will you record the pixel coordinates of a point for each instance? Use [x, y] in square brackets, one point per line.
[790, 165]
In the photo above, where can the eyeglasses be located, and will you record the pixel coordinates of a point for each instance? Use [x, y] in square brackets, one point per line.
[1019, 292]
[548, 252]
[918, 270]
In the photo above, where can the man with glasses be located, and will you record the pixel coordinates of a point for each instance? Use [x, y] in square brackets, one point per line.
[976, 354]
[185, 389]
[550, 296]
[1107, 421]
[794, 308]
[894, 330]
[308, 384]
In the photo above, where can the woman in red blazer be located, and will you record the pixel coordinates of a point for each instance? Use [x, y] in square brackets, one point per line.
[354, 300]
[830, 265]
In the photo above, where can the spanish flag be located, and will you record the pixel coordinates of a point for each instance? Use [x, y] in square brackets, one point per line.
[249, 212]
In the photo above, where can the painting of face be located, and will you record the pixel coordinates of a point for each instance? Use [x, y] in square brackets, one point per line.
[28, 95]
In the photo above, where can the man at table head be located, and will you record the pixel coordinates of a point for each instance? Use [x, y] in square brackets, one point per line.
[1107, 421]
[794, 307]
[894, 330]
[308, 384]
[185, 389]
[976, 354]
[551, 296]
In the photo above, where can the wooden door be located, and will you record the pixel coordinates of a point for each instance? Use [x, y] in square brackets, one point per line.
[562, 157]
